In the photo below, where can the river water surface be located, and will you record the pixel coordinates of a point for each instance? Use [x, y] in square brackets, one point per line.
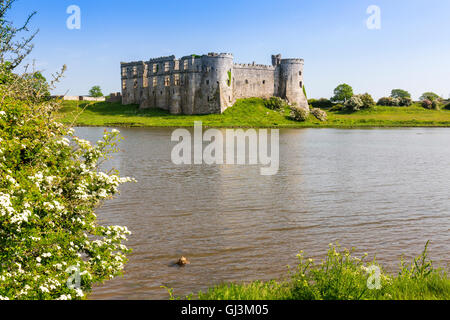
[383, 191]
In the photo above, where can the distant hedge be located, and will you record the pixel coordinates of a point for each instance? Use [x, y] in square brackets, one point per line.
[321, 103]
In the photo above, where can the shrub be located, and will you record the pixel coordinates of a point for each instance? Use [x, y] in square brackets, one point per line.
[367, 100]
[51, 183]
[319, 114]
[354, 103]
[275, 103]
[384, 101]
[337, 107]
[322, 103]
[427, 104]
[299, 114]
[394, 102]
[360, 101]
[406, 102]
[436, 105]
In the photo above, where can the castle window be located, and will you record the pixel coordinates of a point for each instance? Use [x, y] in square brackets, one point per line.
[124, 84]
[155, 81]
[246, 81]
[301, 84]
[207, 81]
[167, 81]
[177, 65]
[124, 72]
[300, 73]
[176, 79]
[166, 67]
[186, 64]
[155, 68]
[264, 81]
[135, 84]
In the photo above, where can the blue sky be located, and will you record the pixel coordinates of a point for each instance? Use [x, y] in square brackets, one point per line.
[410, 51]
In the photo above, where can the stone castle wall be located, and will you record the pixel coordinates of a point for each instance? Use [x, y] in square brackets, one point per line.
[251, 80]
[209, 83]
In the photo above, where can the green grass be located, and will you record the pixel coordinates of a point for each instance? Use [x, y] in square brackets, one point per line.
[248, 113]
[341, 276]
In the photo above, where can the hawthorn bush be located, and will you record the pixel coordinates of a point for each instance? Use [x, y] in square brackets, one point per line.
[406, 102]
[319, 114]
[367, 100]
[427, 104]
[51, 183]
[395, 102]
[385, 101]
[299, 114]
[354, 103]
[436, 105]
[275, 103]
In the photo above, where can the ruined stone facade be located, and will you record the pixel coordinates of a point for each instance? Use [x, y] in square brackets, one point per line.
[210, 83]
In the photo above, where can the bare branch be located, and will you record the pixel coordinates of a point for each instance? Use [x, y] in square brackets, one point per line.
[13, 51]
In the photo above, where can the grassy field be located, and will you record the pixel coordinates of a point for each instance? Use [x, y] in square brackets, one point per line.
[248, 113]
[341, 276]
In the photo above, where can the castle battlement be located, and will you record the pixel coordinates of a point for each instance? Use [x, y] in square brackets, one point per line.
[163, 59]
[253, 66]
[209, 83]
[132, 63]
[292, 60]
[222, 55]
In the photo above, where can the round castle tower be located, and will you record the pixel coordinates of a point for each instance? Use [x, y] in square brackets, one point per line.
[291, 84]
[219, 68]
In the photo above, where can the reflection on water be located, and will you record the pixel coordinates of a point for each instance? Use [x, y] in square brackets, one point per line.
[384, 191]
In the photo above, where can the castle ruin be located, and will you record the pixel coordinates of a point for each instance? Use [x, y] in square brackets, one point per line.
[209, 83]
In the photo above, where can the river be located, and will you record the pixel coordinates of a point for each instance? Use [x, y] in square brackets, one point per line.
[383, 191]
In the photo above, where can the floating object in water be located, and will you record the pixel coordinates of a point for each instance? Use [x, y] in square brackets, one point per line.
[183, 261]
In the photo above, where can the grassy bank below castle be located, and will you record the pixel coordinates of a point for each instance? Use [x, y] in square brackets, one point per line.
[248, 113]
